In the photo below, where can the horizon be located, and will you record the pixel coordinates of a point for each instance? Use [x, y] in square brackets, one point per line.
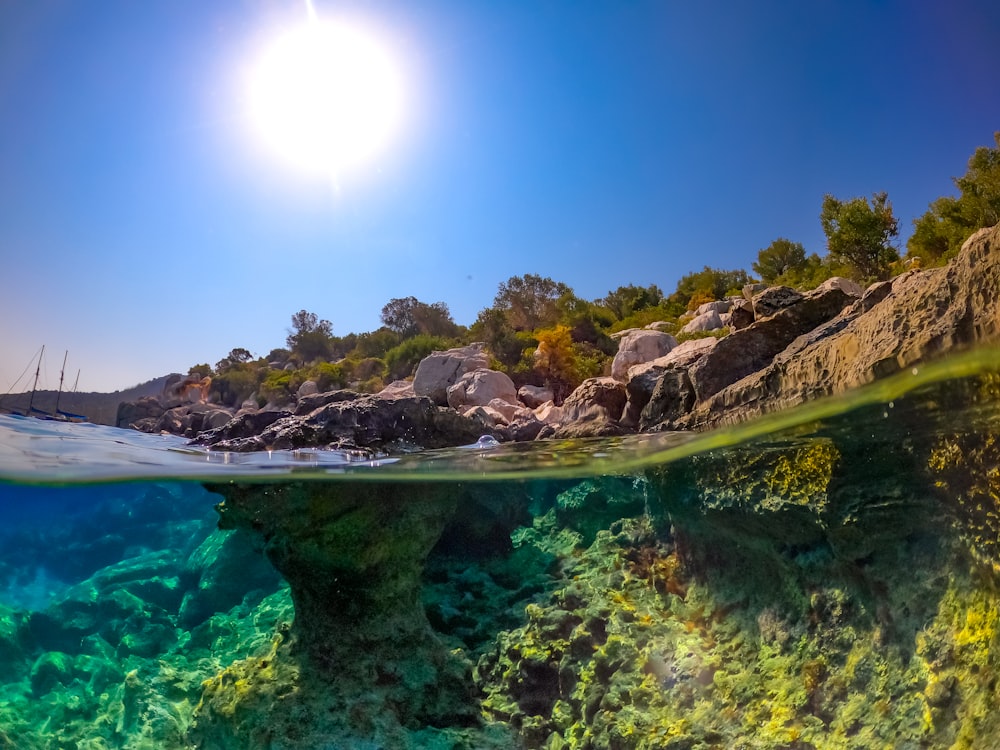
[150, 229]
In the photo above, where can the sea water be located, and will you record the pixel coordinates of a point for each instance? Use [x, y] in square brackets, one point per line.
[823, 578]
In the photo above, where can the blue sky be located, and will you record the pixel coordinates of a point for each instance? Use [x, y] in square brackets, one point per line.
[144, 228]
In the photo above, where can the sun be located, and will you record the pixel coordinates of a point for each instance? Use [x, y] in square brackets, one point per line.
[325, 97]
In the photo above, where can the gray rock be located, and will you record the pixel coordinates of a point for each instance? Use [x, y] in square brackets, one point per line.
[913, 318]
[479, 387]
[741, 314]
[364, 422]
[706, 321]
[595, 397]
[750, 349]
[534, 396]
[638, 347]
[440, 370]
[772, 299]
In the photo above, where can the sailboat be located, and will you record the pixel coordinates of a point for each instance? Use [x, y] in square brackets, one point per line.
[58, 414]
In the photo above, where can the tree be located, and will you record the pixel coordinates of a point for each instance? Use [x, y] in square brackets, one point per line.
[860, 234]
[408, 317]
[980, 187]
[779, 258]
[708, 284]
[310, 338]
[235, 357]
[939, 233]
[626, 300]
[505, 344]
[529, 302]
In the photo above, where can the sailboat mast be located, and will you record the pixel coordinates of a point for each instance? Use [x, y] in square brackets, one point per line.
[34, 387]
[62, 374]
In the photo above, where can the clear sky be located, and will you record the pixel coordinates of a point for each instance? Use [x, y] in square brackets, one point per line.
[146, 227]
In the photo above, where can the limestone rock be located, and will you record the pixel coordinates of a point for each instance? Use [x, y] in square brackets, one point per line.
[397, 389]
[741, 314]
[534, 396]
[718, 306]
[308, 388]
[706, 321]
[479, 387]
[643, 380]
[895, 325]
[604, 397]
[190, 420]
[309, 404]
[750, 349]
[442, 369]
[640, 346]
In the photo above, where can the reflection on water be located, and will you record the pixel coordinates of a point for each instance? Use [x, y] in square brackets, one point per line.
[825, 579]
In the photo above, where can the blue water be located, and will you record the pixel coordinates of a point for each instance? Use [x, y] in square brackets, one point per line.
[825, 578]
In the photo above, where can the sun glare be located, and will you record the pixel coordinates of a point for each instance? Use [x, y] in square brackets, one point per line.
[325, 97]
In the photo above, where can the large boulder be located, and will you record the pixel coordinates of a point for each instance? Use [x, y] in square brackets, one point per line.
[638, 347]
[534, 396]
[189, 421]
[706, 321]
[772, 299]
[596, 397]
[442, 369]
[895, 325]
[479, 387]
[137, 414]
[644, 379]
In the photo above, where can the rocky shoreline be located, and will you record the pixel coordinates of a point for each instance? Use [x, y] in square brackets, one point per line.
[783, 348]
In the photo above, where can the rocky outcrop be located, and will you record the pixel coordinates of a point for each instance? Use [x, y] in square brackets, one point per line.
[139, 414]
[828, 342]
[440, 370]
[666, 383]
[640, 346]
[361, 422]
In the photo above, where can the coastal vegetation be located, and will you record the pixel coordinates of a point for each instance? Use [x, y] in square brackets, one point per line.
[540, 332]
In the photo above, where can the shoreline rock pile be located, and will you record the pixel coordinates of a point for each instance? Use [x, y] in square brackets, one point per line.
[784, 348]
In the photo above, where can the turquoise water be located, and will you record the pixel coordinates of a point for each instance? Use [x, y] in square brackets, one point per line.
[825, 578]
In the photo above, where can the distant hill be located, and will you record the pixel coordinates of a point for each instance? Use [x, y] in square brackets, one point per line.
[100, 408]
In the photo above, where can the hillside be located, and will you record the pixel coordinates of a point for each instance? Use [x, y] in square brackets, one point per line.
[100, 408]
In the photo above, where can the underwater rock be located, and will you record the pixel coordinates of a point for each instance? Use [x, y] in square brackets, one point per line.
[353, 556]
[224, 569]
